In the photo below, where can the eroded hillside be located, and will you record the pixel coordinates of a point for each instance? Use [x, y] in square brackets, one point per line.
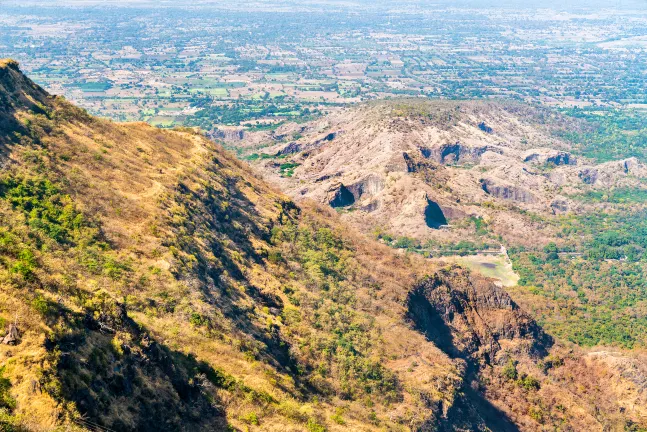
[156, 283]
[414, 166]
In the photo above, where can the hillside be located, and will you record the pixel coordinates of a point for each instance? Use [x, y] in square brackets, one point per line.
[413, 166]
[454, 178]
[155, 283]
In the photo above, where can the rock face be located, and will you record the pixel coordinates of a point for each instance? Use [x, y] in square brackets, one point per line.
[456, 153]
[548, 156]
[559, 205]
[472, 318]
[289, 149]
[589, 175]
[12, 336]
[370, 185]
[506, 192]
[339, 196]
[608, 173]
[228, 134]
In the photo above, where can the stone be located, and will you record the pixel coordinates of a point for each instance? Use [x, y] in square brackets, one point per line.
[12, 336]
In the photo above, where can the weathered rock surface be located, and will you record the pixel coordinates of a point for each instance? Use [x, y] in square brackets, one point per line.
[560, 205]
[456, 153]
[472, 317]
[549, 156]
[506, 192]
[339, 196]
[228, 134]
[12, 337]
[291, 148]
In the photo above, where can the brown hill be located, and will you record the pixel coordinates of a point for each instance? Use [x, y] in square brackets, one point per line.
[413, 166]
[149, 281]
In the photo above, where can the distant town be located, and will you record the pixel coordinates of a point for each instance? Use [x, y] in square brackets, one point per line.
[206, 66]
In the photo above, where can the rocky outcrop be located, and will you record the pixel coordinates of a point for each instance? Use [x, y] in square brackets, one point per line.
[289, 149]
[608, 173]
[506, 192]
[559, 205]
[549, 157]
[12, 337]
[339, 196]
[228, 134]
[456, 153]
[370, 185]
[416, 165]
[470, 317]
[589, 175]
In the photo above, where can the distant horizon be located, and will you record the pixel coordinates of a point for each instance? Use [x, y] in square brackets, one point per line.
[570, 5]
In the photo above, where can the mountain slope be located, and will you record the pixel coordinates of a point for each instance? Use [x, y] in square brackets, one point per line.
[412, 166]
[154, 277]
[157, 284]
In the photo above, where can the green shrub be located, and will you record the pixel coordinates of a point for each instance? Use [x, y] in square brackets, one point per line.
[250, 418]
[314, 426]
[6, 401]
[41, 305]
[510, 371]
[528, 382]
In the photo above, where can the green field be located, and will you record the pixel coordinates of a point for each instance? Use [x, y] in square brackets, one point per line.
[493, 266]
[162, 121]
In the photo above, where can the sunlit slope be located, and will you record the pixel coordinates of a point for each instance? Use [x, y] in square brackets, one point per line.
[157, 284]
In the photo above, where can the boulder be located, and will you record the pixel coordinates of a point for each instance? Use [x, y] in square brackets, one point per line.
[549, 156]
[506, 192]
[12, 337]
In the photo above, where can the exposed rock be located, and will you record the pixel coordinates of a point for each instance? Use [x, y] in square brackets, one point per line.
[608, 173]
[589, 175]
[415, 165]
[559, 205]
[370, 185]
[485, 128]
[326, 177]
[372, 206]
[291, 148]
[471, 317]
[12, 337]
[331, 136]
[549, 156]
[456, 153]
[507, 192]
[339, 196]
[227, 134]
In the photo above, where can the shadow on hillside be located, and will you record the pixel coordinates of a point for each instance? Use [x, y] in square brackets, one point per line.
[139, 386]
[17, 92]
[471, 411]
[226, 222]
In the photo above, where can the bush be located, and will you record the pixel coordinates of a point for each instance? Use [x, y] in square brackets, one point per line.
[250, 418]
[313, 426]
[6, 401]
[510, 371]
[528, 383]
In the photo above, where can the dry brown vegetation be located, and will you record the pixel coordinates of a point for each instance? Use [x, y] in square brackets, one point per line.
[153, 276]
